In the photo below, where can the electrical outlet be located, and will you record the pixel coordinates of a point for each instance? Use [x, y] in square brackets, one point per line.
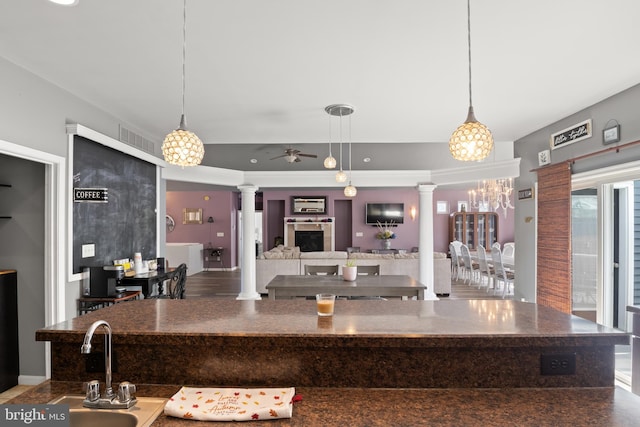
[558, 364]
[88, 250]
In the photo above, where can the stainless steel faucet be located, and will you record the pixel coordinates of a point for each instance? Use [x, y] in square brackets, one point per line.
[126, 390]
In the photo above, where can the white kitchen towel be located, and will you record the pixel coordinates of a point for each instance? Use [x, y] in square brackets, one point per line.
[231, 404]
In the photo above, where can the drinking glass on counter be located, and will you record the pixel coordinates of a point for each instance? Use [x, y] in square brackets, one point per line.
[325, 303]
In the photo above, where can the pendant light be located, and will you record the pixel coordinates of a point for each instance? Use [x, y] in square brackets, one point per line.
[471, 141]
[350, 190]
[340, 110]
[183, 147]
[329, 161]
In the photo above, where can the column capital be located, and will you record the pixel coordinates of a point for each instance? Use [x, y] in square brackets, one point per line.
[247, 188]
[426, 188]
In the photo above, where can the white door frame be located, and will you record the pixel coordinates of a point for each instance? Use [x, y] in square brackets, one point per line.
[54, 236]
[603, 180]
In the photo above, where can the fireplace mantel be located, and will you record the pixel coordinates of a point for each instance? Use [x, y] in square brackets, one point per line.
[324, 224]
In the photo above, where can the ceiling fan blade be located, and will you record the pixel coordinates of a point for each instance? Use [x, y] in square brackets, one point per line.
[277, 157]
[307, 155]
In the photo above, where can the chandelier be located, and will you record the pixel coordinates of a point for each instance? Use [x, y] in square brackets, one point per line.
[340, 110]
[471, 141]
[183, 147]
[492, 194]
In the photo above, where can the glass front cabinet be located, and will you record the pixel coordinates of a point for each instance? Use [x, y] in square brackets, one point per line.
[474, 228]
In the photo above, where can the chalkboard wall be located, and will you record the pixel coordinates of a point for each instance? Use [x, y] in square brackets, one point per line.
[126, 223]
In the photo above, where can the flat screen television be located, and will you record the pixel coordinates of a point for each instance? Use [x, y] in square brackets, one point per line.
[384, 212]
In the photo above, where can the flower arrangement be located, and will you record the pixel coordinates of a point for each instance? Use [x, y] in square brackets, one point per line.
[385, 232]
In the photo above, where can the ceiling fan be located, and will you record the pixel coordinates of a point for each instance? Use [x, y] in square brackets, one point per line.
[292, 155]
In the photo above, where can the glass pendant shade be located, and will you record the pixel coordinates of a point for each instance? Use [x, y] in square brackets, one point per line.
[182, 147]
[471, 141]
[341, 176]
[350, 190]
[330, 162]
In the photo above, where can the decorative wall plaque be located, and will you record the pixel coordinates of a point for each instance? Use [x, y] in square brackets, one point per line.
[572, 134]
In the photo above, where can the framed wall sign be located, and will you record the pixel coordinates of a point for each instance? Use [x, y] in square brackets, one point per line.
[525, 194]
[611, 134]
[571, 134]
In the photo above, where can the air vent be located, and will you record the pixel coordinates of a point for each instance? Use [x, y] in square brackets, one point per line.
[135, 140]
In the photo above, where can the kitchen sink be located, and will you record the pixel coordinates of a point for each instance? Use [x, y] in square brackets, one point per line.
[142, 414]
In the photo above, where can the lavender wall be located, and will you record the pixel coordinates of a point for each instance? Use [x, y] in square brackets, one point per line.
[222, 206]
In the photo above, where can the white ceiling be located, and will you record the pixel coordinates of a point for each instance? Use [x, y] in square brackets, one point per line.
[260, 72]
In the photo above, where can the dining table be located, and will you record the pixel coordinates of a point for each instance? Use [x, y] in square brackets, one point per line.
[508, 262]
[292, 286]
[148, 280]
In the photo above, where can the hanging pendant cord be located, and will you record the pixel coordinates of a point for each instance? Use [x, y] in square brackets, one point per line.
[340, 122]
[349, 149]
[469, 45]
[184, 50]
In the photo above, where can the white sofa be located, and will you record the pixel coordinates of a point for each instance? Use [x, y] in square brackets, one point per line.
[290, 261]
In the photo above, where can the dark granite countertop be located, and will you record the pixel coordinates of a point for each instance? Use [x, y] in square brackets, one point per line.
[413, 407]
[404, 323]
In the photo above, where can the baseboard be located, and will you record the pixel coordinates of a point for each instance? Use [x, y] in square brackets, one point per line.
[30, 379]
[221, 269]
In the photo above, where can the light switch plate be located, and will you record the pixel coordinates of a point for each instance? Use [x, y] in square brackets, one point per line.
[220, 234]
[359, 234]
[88, 250]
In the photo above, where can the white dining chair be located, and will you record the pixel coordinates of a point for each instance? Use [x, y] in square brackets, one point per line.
[471, 269]
[501, 275]
[486, 271]
[457, 263]
[509, 250]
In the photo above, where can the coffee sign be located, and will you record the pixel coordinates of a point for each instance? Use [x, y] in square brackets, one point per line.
[570, 135]
[91, 195]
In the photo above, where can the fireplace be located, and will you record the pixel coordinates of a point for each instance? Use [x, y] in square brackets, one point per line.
[310, 233]
[310, 241]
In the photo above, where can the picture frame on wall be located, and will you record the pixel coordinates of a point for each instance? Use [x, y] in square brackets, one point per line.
[442, 207]
[463, 206]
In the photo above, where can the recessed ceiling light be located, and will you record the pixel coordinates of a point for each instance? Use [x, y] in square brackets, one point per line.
[254, 161]
[65, 2]
[366, 159]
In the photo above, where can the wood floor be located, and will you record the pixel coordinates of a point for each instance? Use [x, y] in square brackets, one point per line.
[226, 285]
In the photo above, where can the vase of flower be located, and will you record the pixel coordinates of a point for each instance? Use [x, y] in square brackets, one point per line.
[385, 234]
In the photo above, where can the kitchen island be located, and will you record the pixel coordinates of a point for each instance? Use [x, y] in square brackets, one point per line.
[369, 344]
[387, 363]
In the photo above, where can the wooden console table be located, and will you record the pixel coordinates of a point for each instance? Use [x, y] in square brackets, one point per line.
[89, 304]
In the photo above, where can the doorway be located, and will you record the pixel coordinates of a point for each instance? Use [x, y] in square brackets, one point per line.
[342, 211]
[602, 246]
[50, 287]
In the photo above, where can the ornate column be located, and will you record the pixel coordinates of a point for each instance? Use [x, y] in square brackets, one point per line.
[248, 267]
[425, 240]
